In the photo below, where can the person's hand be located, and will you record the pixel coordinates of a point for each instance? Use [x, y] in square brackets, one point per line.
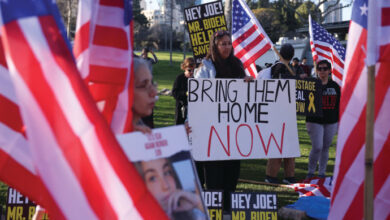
[188, 128]
[142, 128]
[248, 78]
[303, 75]
[182, 201]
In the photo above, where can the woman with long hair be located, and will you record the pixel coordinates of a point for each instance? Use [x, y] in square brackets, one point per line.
[162, 181]
[220, 62]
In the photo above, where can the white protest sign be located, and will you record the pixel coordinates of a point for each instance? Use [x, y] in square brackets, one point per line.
[161, 143]
[164, 162]
[233, 119]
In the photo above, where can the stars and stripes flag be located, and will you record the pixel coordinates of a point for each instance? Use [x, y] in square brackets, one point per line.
[103, 50]
[325, 47]
[313, 187]
[250, 41]
[348, 190]
[82, 169]
[16, 164]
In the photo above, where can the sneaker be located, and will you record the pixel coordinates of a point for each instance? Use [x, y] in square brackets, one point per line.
[289, 180]
[270, 179]
[310, 175]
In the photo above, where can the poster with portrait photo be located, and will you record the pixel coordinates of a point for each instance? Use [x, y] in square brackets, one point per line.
[164, 161]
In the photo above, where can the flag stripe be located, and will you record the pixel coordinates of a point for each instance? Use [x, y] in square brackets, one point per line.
[104, 91]
[254, 58]
[98, 74]
[110, 37]
[40, 88]
[385, 18]
[249, 46]
[118, 198]
[113, 3]
[17, 175]
[245, 35]
[15, 144]
[10, 115]
[352, 79]
[81, 41]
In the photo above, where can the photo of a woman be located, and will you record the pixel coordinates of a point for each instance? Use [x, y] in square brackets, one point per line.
[162, 181]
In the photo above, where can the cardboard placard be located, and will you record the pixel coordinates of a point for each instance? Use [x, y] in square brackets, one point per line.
[254, 205]
[214, 203]
[309, 97]
[202, 22]
[19, 206]
[163, 160]
[233, 119]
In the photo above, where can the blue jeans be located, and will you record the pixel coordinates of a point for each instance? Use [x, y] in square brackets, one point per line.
[321, 136]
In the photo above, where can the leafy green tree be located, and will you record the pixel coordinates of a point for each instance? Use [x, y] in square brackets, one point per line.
[286, 9]
[303, 11]
[269, 19]
[141, 24]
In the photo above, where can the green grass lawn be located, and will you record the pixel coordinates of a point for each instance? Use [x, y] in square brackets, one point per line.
[165, 75]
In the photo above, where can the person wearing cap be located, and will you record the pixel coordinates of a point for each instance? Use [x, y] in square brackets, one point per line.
[280, 71]
[297, 68]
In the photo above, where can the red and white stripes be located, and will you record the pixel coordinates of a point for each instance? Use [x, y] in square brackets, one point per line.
[348, 191]
[75, 154]
[103, 50]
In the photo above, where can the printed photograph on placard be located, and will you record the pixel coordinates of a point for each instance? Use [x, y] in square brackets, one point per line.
[165, 164]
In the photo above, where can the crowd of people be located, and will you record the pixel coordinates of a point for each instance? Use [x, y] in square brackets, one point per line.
[220, 62]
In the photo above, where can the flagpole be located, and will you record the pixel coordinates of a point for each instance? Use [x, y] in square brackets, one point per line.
[283, 60]
[369, 153]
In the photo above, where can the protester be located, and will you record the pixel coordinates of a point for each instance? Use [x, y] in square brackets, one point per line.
[162, 181]
[151, 61]
[149, 119]
[220, 62]
[280, 71]
[180, 90]
[39, 213]
[322, 129]
[306, 68]
[145, 91]
[297, 69]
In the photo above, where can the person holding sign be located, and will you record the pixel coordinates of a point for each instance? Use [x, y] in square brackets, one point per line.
[279, 71]
[161, 180]
[220, 62]
[322, 129]
[180, 90]
[145, 91]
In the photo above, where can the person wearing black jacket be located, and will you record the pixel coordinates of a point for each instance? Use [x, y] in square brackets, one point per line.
[322, 129]
[179, 90]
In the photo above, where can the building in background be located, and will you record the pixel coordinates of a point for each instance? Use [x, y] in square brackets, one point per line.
[336, 13]
[162, 14]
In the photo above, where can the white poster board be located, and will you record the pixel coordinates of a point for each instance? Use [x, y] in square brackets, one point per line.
[233, 119]
[163, 160]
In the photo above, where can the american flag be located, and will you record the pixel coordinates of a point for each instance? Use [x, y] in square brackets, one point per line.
[348, 192]
[325, 47]
[249, 39]
[84, 172]
[313, 187]
[103, 50]
[16, 164]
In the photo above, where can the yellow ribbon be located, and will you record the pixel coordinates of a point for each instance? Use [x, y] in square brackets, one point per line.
[311, 104]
